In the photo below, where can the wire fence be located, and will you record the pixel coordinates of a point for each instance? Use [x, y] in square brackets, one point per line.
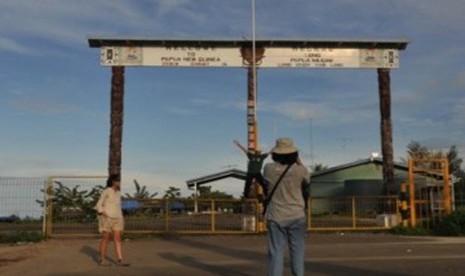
[20, 209]
[459, 195]
[65, 206]
[163, 216]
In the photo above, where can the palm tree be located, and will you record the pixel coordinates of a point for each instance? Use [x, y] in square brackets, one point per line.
[116, 131]
[141, 192]
[384, 85]
[172, 193]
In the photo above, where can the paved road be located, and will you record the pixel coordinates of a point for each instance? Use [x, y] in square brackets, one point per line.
[327, 254]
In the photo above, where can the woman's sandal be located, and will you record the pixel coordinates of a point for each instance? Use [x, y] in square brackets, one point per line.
[103, 263]
[121, 263]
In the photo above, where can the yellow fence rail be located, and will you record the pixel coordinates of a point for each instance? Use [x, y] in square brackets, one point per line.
[353, 213]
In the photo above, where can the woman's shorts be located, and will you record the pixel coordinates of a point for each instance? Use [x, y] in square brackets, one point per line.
[106, 224]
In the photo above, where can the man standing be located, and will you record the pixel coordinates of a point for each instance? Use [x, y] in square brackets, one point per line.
[254, 168]
[288, 182]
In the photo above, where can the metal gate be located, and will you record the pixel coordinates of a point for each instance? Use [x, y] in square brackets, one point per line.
[430, 192]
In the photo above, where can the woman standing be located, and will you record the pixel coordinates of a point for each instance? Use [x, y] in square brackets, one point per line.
[288, 182]
[111, 219]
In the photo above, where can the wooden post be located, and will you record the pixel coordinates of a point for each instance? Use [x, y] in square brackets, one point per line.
[116, 120]
[354, 213]
[447, 193]
[252, 133]
[252, 124]
[50, 193]
[411, 194]
[384, 83]
[167, 215]
[212, 220]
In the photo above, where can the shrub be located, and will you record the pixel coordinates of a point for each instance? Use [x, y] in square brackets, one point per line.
[25, 236]
[410, 231]
[451, 225]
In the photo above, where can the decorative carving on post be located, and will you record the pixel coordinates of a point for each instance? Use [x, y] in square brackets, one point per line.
[252, 131]
[384, 83]
[116, 120]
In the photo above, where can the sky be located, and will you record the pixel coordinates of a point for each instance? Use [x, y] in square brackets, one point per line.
[180, 123]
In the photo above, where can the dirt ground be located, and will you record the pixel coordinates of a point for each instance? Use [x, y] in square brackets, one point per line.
[327, 254]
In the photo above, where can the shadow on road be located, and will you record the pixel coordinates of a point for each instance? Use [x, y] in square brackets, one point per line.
[334, 269]
[191, 262]
[257, 259]
[91, 252]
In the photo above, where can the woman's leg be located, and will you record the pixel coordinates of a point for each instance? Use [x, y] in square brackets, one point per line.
[296, 233]
[118, 248]
[248, 185]
[104, 245]
[276, 245]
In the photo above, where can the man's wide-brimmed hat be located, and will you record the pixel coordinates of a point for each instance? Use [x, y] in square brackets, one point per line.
[284, 146]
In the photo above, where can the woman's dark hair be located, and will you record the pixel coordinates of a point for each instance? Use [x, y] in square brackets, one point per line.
[285, 159]
[111, 179]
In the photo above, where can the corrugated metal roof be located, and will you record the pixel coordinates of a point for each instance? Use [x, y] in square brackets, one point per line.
[355, 164]
[99, 41]
[378, 161]
[217, 176]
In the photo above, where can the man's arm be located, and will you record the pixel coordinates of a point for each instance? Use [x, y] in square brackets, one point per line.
[240, 146]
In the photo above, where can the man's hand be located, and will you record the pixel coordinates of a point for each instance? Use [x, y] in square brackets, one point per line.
[240, 146]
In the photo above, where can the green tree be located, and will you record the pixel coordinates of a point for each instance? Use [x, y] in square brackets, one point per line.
[418, 151]
[205, 192]
[318, 167]
[172, 193]
[141, 192]
[73, 202]
[455, 162]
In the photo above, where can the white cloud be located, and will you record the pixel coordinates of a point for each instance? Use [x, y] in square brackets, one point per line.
[180, 111]
[69, 22]
[168, 6]
[10, 45]
[44, 107]
[442, 143]
[322, 113]
[201, 102]
[459, 113]
[460, 81]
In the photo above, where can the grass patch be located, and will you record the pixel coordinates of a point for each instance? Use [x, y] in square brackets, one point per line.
[451, 225]
[137, 236]
[410, 231]
[22, 236]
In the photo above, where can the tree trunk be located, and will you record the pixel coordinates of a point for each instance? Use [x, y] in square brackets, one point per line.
[386, 130]
[116, 120]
